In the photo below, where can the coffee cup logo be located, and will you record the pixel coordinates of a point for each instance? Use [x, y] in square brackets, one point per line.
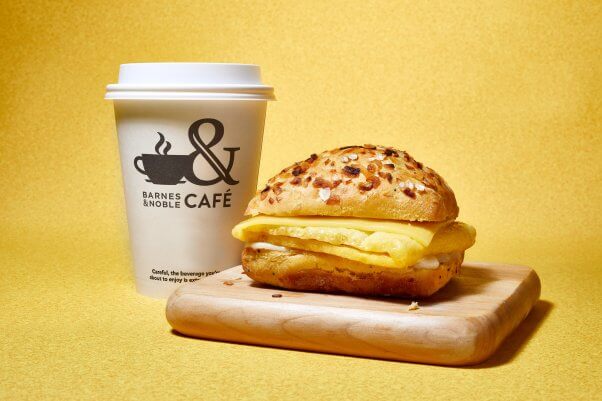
[161, 168]
[164, 169]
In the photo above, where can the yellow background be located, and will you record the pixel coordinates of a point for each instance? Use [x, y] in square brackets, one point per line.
[502, 98]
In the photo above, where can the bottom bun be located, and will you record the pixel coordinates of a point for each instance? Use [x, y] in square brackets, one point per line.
[309, 271]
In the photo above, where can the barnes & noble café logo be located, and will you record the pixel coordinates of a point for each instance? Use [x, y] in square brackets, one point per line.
[165, 169]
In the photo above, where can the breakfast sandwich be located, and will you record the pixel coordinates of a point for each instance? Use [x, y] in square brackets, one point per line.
[366, 220]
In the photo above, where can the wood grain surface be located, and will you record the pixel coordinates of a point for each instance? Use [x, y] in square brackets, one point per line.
[462, 324]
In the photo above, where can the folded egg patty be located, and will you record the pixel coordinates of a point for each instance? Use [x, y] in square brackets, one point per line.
[386, 243]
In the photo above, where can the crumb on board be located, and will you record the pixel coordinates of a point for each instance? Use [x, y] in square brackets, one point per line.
[228, 282]
[276, 295]
[413, 306]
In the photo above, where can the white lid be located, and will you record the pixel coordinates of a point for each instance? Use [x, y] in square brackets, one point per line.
[189, 81]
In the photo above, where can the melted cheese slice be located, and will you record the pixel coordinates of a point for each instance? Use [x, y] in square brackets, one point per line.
[374, 242]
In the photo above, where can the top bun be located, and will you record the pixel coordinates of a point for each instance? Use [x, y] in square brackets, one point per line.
[358, 181]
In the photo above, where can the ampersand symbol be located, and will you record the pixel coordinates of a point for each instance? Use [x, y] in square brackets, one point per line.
[204, 149]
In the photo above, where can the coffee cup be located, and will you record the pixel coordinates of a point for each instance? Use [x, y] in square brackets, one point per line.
[190, 138]
[162, 169]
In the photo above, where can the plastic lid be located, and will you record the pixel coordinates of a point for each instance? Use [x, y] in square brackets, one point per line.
[189, 81]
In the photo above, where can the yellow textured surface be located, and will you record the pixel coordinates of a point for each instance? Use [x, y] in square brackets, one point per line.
[502, 98]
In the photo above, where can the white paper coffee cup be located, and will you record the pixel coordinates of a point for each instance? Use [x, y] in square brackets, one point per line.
[190, 139]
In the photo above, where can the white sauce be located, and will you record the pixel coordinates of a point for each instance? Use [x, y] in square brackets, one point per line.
[428, 262]
[268, 246]
[433, 262]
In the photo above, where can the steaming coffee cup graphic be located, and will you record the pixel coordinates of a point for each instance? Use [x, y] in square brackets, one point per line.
[162, 169]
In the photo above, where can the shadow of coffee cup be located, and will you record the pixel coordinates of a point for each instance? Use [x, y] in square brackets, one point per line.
[162, 169]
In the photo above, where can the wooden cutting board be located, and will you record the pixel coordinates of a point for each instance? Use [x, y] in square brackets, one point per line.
[462, 324]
